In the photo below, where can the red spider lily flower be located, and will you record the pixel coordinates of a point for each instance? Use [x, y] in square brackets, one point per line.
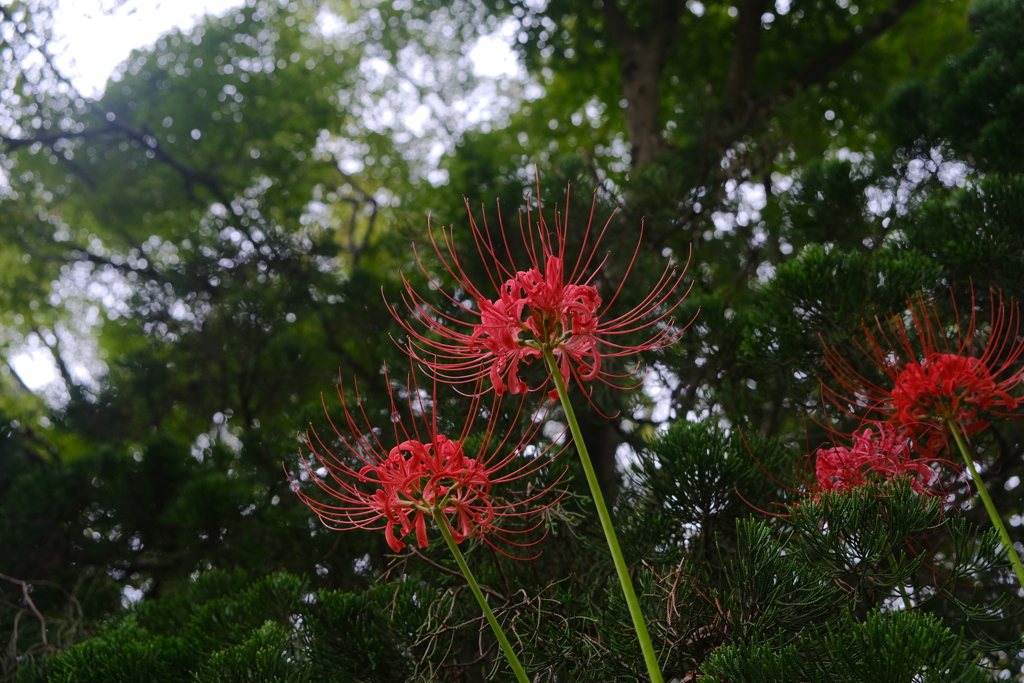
[398, 488]
[878, 451]
[935, 381]
[542, 307]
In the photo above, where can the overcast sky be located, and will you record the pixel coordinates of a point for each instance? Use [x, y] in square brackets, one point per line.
[97, 35]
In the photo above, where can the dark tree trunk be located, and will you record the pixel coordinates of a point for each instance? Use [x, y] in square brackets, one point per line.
[641, 77]
[744, 57]
[644, 50]
[603, 440]
[643, 53]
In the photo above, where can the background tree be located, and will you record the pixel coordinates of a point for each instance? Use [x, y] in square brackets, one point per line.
[202, 249]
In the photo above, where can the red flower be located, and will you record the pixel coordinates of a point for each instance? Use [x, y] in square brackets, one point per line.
[397, 489]
[540, 308]
[838, 468]
[935, 382]
[885, 453]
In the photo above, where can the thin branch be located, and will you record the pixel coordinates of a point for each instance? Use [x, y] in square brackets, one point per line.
[485, 589]
[58, 358]
[31, 605]
[49, 139]
[189, 176]
[357, 251]
[818, 69]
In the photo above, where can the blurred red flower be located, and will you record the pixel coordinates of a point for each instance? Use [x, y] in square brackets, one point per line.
[398, 488]
[936, 381]
[876, 451]
[537, 308]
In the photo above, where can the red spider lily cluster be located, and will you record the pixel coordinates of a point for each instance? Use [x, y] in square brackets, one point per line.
[540, 308]
[397, 488]
[418, 476]
[935, 383]
[535, 311]
[876, 453]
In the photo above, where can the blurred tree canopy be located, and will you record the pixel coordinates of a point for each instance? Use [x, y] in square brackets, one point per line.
[204, 248]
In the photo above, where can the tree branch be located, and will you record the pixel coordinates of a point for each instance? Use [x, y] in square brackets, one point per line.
[49, 139]
[736, 122]
[58, 357]
[188, 175]
[446, 570]
[818, 69]
[31, 605]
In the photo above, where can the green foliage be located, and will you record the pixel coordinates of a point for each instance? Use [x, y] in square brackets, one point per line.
[123, 652]
[202, 252]
[262, 657]
[772, 590]
[224, 626]
[830, 201]
[898, 646]
[974, 234]
[795, 612]
[693, 482]
[972, 106]
[861, 532]
[360, 639]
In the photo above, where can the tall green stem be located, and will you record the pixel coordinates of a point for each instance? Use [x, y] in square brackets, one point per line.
[510, 655]
[606, 524]
[993, 514]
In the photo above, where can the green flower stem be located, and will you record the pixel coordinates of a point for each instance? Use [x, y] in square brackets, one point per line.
[510, 655]
[993, 514]
[606, 524]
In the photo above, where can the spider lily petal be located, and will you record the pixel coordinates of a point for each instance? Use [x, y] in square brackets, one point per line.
[935, 381]
[396, 489]
[877, 452]
[544, 306]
